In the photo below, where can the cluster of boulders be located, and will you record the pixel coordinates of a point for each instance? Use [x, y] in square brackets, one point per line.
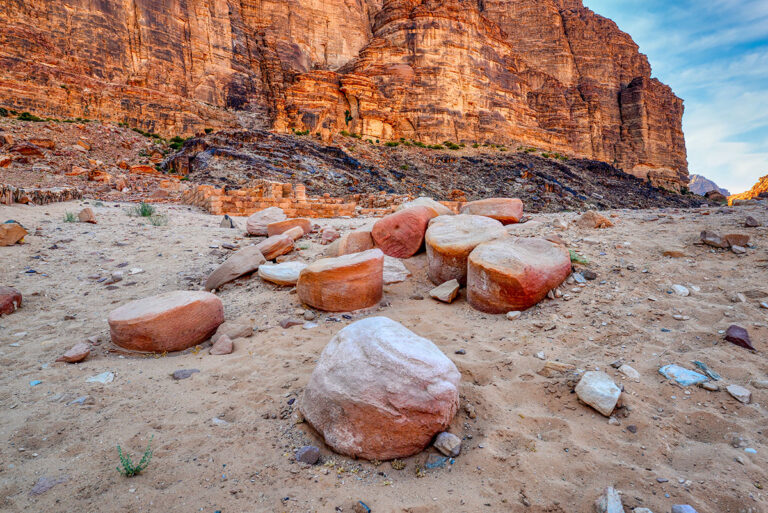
[736, 242]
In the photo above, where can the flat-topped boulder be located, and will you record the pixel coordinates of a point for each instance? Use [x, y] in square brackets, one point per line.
[172, 321]
[514, 273]
[401, 235]
[11, 233]
[286, 273]
[242, 262]
[505, 210]
[424, 201]
[380, 391]
[343, 284]
[276, 246]
[283, 226]
[450, 240]
[257, 224]
[10, 300]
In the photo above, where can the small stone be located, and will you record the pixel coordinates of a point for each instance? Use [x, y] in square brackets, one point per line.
[86, 215]
[673, 253]
[738, 250]
[764, 305]
[739, 393]
[737, 239]
[739, 336]
[227, 222]
[116, 277]
[308, 454]
[609, 502]
[285, 274]
[514, 314]
[222, 346]
[309, 315]
[448, 444]
[328, 234]
[598, 390]
[11, 233]
[559, 224]
[579, 278]
[394, 270]
[641, 510]
[10, 300]
[632, 428]
[761, 384]
[104, 378]
[233, 330]
[713, 239]
[290, 322]
[751, 222]
[540, 355]
[680, 290]
[630, 373]
[78, 353]
[591, 219]
[183, 373]
[589, 275]
[460, 351]
[446, 292]
[683, 508]
[46, 483]
[710, 385]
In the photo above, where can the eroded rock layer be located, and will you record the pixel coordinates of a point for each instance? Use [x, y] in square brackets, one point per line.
[545, 73]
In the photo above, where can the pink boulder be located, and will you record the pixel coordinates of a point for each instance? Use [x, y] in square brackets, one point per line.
[242, 262]
[514, 273]
[401, 235]
[172, 321]
[506, 210]
[283, 226]
[275, 246]
[78, 353]
[257, 224]
[10, 300]
[379, 391]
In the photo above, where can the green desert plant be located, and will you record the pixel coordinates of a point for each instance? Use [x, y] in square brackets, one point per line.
[158, 220]
[208, 130]
[128, 468]
[142, 210]
[70, 217]
[26, 116]
[392, 144]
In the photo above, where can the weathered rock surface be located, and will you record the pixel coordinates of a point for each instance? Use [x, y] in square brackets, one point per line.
[446, 292]
[394, 270]
[546, 73]
[514, 273]
[223, 345]
[609, 502]
[87, 215]
[354, 242]
[759, 190]
[450, 240]
[401, 235]
[283, 226]
[380, 391]
[242, 262]
[11, 233]
[77, 353]
[424, 201]
[259, 222]
[739, 336]
[172, 321]
[448, 444]
[504, 210]
[286, 273]
[598, 390]
[591, 219]
[345, 283]
[10, 300]
[233, 330]
[275, 246]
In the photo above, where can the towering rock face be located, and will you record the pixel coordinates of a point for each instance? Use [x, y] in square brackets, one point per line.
[701, 185]
[758, 191]
[544, 73]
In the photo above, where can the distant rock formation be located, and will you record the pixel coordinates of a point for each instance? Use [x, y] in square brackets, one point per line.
[545, 73]
[760, 190]
[701, 185]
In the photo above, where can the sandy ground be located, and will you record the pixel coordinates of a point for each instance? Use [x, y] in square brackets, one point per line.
[531, 447]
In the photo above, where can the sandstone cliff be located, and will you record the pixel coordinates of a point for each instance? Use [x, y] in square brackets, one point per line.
[758, 191]
[545, 73]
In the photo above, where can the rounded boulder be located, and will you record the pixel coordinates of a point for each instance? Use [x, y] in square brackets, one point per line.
[257, 224]
[380, 391]
[505, 210]
[172, 321]
[401, 235]
[514, 273]
[343, 284]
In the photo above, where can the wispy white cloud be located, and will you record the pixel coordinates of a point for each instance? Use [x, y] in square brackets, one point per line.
[715, 56]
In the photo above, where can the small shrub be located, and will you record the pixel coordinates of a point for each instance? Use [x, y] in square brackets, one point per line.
[177, 142]
[3, 112]
[392, 144]
[26, 116]
[300, 132]
[419, 144]
[405, 167]
[345, 133]
[158, 220]
[452, 146]
[347, 117]
[142, 210]
[208, 130]
[358, 136]
[436, 147]
[128, 468]
[475, 145]
[98, 204]
[70, 217]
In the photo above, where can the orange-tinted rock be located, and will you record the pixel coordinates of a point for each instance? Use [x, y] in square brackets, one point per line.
[505, 210]
[5, 161]
[167, 322]
[737, 239]
[10, 300]
[27, 149]
[424, 201]
[591, 219]
[48, 144]
[275, 246]
[343, 284]
[294, 233]
[86, 215]
[11, 233]
[242, 262]
[123, 165]
[401, 235]
[283, 226]
[355, 242]
[77, 353]
[514, 273]
[77, 171]
[379, 391]
[329, 234]
[450, 240]
[144, 170]
[258, 223]
[223, 345]
[97, 175]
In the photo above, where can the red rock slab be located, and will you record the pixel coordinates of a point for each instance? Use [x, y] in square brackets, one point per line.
[78, 353]
[10, 300]
[86, 215]
[294, 233]
[242, 262]
[11, 233]
[283, 226]
[355, 242]
[144, 170]
[27, 149]
[401, 235]
[343, 284]
[450, 240]
[275, 246]
[736, 239]
[167, 322]
[5, 161]
[514, 273]
[257, 224]
[591, 219]
[505, 210]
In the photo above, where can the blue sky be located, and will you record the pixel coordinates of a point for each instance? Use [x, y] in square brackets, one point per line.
[714, 55]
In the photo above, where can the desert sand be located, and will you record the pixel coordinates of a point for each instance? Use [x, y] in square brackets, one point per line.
[224, 438]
